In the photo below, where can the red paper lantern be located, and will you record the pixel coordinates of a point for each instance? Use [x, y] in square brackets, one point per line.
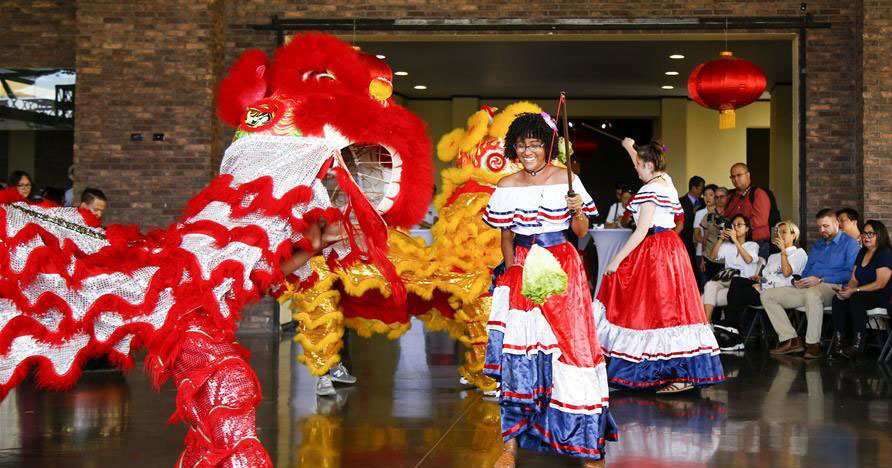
[725, 84]
[583, 144]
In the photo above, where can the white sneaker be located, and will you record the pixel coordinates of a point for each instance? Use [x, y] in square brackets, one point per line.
[324, 387]
[730, 330]
[491, 395]
[339, 374]
[462, 380]
[733, 349]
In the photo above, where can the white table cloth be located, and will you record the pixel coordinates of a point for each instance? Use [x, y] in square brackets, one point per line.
[608, 242]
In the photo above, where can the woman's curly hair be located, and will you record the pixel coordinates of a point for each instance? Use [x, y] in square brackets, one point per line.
[529, 125]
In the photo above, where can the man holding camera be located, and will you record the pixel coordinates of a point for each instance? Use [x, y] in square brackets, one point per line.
[712, 226]
[829, 266]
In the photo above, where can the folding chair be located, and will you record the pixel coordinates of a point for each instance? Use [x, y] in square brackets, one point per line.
[759, 316]
[828, 310]
[874, 316]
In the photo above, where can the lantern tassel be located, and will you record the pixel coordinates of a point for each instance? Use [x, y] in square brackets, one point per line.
[727, 119]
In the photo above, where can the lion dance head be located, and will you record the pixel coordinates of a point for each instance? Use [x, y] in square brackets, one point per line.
[322, 88]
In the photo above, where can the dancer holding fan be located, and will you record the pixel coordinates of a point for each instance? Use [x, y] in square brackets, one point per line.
[543, 346]
[650, 319]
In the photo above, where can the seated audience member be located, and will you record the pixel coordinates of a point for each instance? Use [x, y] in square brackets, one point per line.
[868, 288]
[850, 222]
[738, 253]
[744, 292]
[94, 201]
[829, 266]
[617, 210]
[757, 210]
[699, 216]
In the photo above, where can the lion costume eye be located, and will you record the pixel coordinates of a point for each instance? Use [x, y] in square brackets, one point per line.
[318, 76]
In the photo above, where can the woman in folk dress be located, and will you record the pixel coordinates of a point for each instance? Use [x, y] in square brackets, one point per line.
[546, 357]
[650, 319]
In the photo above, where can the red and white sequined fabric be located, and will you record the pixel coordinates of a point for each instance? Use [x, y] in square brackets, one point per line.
[70, 290]
[217, 393]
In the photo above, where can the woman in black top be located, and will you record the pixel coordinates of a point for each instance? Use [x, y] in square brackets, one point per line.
[868, 288]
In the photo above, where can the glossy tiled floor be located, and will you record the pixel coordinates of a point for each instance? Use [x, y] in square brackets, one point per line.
[408, 410]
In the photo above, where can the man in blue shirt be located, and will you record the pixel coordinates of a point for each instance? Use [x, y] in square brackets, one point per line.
[829, 266]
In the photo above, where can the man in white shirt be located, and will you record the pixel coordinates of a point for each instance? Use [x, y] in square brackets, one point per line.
[617, 210]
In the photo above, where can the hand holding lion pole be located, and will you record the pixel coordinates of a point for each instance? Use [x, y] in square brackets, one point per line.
[570, 192]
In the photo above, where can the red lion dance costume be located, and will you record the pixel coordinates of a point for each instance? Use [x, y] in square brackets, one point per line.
[71, 290]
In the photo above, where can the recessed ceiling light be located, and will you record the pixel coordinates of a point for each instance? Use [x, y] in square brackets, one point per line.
[676, 56]
[401, 73]
[671, 73]
[382, 57]
[420, 87]
[667, 87]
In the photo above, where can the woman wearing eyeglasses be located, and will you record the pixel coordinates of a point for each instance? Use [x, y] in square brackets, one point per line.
[650, 318]
[868, 288]
[22, 182]
[553, 394]
[738, 253]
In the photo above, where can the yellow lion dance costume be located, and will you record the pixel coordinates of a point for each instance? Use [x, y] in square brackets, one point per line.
[448, 282]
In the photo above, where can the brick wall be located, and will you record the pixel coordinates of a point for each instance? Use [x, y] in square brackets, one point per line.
[877, 118]
[145, 67]
[37, 33]
[833, 109]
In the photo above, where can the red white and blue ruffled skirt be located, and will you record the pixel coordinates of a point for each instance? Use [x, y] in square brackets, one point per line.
[554, 394]
[650, 320]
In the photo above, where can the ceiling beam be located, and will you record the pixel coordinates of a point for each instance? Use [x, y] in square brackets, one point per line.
[38, 118]
[573, 24]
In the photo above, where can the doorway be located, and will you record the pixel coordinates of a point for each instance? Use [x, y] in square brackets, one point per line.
[758, 155]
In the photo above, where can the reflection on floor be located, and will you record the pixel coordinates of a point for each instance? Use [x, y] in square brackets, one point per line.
[409, 410]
